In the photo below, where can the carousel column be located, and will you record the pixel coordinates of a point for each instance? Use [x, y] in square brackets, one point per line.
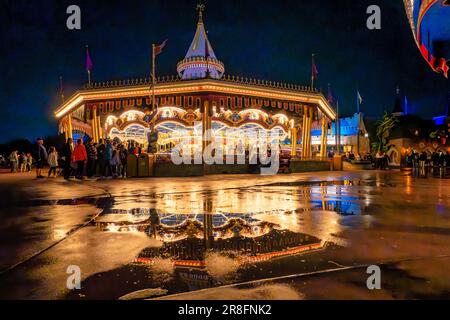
[94, 125]
[308, 122]
[324, 142]
[304, 133]
[206, 127]
[69, 126]
[208, 223]
[100, 133]
[311, 115]
[66, 134]
[307, 134]
[294, 142]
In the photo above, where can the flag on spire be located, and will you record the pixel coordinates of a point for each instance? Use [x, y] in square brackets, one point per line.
[89, 63]
[360, 99]
[330, 97]
[314, 71]
[159, 49]
[61, 89]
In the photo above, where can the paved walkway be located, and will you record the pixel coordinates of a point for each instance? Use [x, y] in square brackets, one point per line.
[402, 217]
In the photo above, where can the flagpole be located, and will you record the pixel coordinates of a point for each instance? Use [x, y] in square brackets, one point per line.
[357, 101]
[312, 71]
[61, 89]
[88, 70]
[153, 77]
[359, 121]
[338, 129]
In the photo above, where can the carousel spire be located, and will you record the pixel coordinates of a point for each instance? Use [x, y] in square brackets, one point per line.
[200, 60]
[200, 9]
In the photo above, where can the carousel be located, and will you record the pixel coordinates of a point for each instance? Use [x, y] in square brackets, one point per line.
[200, 98]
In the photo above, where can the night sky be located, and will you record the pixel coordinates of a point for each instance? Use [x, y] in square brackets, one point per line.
[271, 40]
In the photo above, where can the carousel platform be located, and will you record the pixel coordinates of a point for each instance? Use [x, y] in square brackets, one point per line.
[172, 170]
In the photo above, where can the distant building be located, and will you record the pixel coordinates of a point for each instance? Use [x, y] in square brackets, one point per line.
[354, 135]
[414, 133]
[397, 111]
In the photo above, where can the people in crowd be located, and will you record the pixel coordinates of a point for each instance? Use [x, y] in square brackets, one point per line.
[91, 161]
[29, 162]
[14, 161]
[79, 156]
[435, 159]
[115, 163]
[67, 158]
[40, 154]
[351, 156]
[101, 157]
[441, 158]
[23, 162]
[386, 161]
[378, 160]
[422, 160]
[123, 159]
[52, 162]
[107, 156]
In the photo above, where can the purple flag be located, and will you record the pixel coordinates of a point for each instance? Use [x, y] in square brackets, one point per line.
[314, 71]
[89, 64]
[330, 97]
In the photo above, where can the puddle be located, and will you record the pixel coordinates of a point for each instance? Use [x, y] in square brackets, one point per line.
[211, 238]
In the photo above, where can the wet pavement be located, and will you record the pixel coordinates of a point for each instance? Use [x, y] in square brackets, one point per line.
[300, 236]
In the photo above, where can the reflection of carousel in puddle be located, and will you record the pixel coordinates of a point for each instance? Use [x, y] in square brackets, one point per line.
[188, 238]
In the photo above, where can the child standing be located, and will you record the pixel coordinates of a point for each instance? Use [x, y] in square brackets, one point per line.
[115, 161]
[52, 161]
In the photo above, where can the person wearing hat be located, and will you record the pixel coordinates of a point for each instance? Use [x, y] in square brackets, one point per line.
[40, 154]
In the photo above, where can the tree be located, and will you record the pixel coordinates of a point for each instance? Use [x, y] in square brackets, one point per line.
[383, 130]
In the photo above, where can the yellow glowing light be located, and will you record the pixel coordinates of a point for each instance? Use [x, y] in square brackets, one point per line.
[198, 86]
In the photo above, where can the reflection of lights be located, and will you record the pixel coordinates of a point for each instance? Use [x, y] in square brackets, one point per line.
[111, 120]
[112, 228]
[243, 259]
[59, 234]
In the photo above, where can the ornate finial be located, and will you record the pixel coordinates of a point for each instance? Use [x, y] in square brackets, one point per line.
[200, 9]
[398, 90]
